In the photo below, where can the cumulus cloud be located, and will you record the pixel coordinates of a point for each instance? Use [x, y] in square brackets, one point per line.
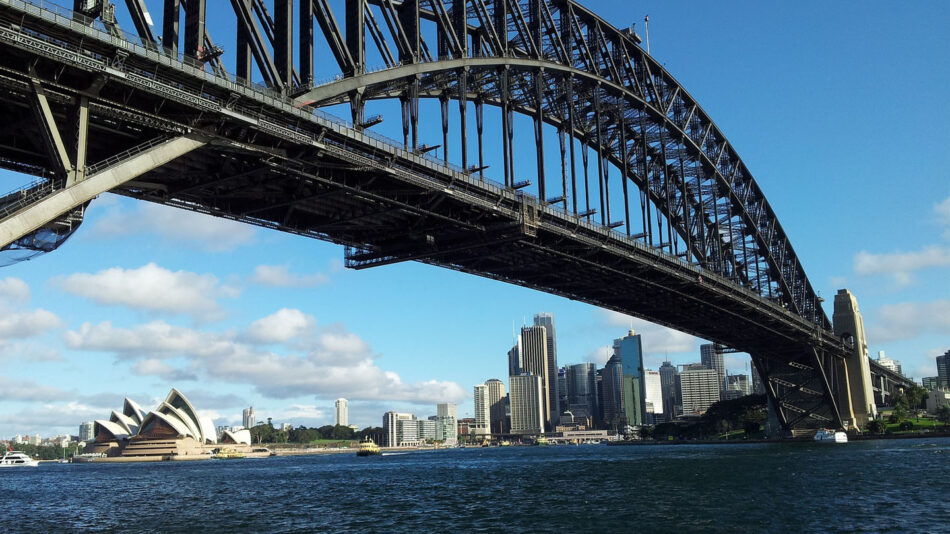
[656, 339]
[161, 369]
[152, 288]
[280, 276]
[14, 291]
[27, 324]
[177, 225]
[27, 352]
[910, 319]
[327, 362]
[901, 265]
[281, 326]
[600, 355]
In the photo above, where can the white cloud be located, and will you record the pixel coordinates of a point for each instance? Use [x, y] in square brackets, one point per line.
[656, 339]
[600, 355]
[161, 369]
[901, 265]
[28, 352]
[27, 324]
[281, 326]
[942, 209]
[280, 276]
[152, 288]
[14, 290]
[327, 362]
[197, 230]
[27, 390]
[910, 319]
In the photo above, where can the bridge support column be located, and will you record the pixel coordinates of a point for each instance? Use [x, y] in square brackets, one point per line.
[855, 392]
[55, 205]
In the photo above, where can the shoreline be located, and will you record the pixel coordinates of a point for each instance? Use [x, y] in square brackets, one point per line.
[776, 440]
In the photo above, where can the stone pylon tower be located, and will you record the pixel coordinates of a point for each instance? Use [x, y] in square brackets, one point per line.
[855, 394]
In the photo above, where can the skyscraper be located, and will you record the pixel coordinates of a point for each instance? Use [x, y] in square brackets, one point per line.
[526, 404]
[653, 396]
[515, 361]
[943, 380]
[496, 402]
[447, 416]
[711, 357]
[553, 396]
[482, 411]
[611, 392]
[561, 390]
[758, 388]
[699, 387]
[86, 431]
[248, 417]
[533, 344]
[630, 350]
[582, 389]
[342, 413]
[670, 390]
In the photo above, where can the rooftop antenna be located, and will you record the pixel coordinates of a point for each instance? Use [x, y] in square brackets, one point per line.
[646, 22]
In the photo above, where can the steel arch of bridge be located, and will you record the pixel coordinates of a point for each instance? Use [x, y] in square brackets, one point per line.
[558, 64]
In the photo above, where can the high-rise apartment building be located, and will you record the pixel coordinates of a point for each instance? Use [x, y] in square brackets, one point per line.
[711, 357]
[670, 389]
[582, 390]
[342, 415]
[248, 417]
[482, 411]
[943, 379]
[630, 350]
[400, 429]
[497, 421]
[653, 396]
[86, 431]
[889, 364]
[527, 404]
[553, 395]
[447, 416]
[699, 387]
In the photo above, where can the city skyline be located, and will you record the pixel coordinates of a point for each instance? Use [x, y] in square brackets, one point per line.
[152, 297]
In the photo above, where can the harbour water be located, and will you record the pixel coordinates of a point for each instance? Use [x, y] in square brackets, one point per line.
[871, 486]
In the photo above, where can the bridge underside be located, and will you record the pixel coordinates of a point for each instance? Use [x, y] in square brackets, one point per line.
[266, 163]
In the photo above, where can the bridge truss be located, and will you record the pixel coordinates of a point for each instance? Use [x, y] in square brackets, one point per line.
[650, 211]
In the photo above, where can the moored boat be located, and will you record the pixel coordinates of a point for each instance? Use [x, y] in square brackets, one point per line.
[827, 435]
[17, 459]
[368, 448]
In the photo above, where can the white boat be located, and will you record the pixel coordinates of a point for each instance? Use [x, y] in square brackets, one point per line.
[17, 459]
[830, 436]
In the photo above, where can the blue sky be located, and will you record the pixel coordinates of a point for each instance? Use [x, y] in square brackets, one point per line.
[839, 111]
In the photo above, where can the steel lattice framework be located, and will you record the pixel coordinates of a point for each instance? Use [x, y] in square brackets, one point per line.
[652, 214]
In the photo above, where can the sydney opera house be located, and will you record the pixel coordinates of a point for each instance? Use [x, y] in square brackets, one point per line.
[173, 430]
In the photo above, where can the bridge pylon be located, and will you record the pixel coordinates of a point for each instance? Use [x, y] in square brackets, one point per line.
[854, 388]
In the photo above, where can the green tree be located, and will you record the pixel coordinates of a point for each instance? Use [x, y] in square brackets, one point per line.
[943, 414]
[876, 426]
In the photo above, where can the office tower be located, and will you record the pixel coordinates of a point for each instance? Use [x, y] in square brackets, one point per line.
[887, 363]
[670, 390]
[427, 429]
[534, 359]
[447, 414]
[582, 389]
[929, 382]
[630, 350]
[758, 388]
[553, 396]
[496, 402]
[85, 431]
[653, 396]
[943, 380]
[342, 413]
[699, 387]
[611, 390]
[561, 390]
[515, 360]
[482, 411]
[711, 357]
[527, 404]
[400, 429]
[248, 417]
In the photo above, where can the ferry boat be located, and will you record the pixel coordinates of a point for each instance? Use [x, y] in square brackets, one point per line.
[227, 454]
[17, 459]
[368, 448]
[827, 435]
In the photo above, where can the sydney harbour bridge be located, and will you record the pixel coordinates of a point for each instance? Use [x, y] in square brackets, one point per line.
[635, 200]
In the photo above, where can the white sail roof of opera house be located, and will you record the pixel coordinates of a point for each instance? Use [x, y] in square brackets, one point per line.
[176, 415]
[237, 436]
